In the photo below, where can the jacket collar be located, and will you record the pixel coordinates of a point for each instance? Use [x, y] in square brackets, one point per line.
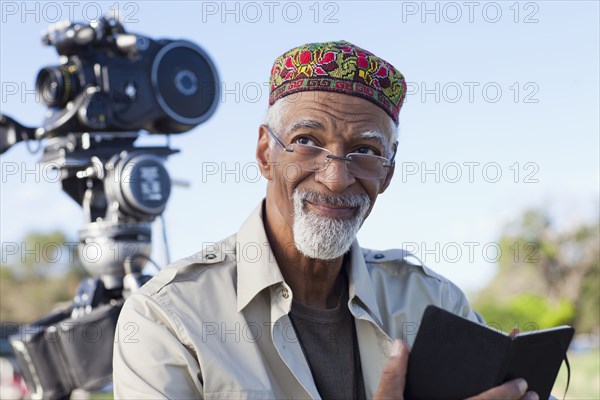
[257, 268]
[256, 265]
[360, 285]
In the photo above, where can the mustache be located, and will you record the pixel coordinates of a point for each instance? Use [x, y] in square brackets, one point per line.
[352, 200]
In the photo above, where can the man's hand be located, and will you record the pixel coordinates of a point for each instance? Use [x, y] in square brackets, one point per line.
[393, 376]
[393, 380]
[514, 389]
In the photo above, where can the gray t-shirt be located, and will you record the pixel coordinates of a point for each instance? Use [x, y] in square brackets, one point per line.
[328, 338]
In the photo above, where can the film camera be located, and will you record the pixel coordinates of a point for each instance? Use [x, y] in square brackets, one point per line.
[110, 85]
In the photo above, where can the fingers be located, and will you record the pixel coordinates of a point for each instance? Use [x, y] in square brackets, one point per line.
[515, 389]
[393, 376]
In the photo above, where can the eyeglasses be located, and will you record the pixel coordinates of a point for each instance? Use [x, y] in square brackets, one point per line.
[314, 158]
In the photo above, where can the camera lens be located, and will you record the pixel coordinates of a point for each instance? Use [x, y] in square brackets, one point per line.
[186, 84]
[56, 86]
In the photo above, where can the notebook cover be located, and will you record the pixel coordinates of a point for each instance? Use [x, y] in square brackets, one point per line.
[454, 358]
[537, 357]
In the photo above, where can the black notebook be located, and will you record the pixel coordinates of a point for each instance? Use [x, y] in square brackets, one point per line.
[454, 358]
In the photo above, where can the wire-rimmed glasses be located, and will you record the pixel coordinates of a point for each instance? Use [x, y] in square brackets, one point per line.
[314, 158]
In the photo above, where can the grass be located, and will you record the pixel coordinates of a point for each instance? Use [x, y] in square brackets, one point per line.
[101, 396]
[585, 377]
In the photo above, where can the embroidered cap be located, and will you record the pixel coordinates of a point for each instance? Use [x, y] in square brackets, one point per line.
[338, 67]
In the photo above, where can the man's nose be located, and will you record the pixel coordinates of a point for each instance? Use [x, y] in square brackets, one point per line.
[335, 174]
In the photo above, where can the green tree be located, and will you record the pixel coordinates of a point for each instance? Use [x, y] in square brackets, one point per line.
[546, 276]
[39, 273]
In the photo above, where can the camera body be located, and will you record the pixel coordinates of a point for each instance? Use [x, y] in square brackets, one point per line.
[110, 80]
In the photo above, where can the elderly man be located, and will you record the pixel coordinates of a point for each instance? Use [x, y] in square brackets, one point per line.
[291, 306]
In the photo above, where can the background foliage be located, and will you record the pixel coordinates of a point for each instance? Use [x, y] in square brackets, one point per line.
[42, 275]
[549, 277]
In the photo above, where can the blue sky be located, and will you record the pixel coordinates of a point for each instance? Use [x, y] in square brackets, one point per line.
[501, 115]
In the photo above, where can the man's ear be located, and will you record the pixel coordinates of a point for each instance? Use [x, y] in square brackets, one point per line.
[263, 152]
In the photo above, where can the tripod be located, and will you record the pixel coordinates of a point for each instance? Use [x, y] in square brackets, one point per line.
[122, 189]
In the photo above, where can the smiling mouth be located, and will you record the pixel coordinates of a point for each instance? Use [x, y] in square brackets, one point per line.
[331, 210]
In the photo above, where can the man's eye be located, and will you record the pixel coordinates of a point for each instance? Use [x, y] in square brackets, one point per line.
[305, 141]
[366, 150]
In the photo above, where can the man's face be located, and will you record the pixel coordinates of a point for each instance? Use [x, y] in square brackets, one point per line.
[321, 211]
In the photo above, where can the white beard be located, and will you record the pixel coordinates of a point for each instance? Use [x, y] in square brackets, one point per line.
[325, 238]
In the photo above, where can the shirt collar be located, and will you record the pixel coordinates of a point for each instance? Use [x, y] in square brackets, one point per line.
[257, 268]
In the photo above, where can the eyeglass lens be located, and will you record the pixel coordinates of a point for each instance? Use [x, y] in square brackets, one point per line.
[311, 158]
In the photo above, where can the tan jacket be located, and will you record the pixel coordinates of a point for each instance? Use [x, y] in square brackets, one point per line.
[215, 325]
